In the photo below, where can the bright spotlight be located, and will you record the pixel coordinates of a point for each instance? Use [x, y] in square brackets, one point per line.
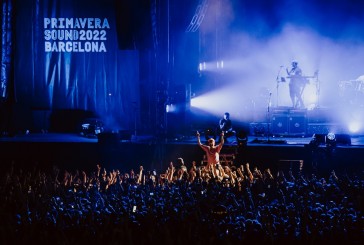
[210, 66]
[201, 102]
[330, 140]
[202, 66]
[354, 127]
[171, 108]
[216, 102]
[331, 136]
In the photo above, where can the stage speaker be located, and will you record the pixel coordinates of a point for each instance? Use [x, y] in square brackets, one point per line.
[279, 124]
[339, 139]
[343, 139]
[297, 125]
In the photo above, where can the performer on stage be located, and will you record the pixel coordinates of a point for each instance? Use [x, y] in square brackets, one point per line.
[296, 85]
[225, 124]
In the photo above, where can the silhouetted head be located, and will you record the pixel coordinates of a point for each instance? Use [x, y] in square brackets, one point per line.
[227, 115]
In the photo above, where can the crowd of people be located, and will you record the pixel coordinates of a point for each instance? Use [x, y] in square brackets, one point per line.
[186, 203]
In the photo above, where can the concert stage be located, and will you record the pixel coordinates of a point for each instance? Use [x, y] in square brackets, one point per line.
[73, 151]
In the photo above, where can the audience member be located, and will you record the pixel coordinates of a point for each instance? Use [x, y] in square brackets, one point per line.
[200, 206]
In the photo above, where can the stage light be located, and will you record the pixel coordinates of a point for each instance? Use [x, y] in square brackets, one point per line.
[171, 108]
[330, 140]
[202, 102]
[215, 102]
[354, 127]
[211, 66]
[331, 136]
[202, 66]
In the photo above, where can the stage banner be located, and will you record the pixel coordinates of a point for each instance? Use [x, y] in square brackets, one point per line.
[68, 58]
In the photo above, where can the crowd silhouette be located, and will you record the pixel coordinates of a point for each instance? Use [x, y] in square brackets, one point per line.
[185, 204]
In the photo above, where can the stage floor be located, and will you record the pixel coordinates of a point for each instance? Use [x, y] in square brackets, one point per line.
[356, 140]
[75, 151]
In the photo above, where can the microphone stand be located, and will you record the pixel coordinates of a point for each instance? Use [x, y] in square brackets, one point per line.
[268, 115]
[317, 88]
[277, 81]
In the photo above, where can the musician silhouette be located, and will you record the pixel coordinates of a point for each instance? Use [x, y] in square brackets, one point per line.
[225, 125]
[296, 85]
